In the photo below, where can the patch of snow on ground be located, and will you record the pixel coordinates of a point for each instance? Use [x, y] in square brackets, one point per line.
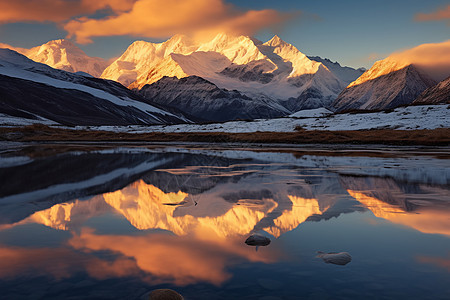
[7, 120]
[312, 113]
[6, 162]
[405, 118]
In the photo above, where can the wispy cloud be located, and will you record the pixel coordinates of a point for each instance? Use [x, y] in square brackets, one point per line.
[442, 13]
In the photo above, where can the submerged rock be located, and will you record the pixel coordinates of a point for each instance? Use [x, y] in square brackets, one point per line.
[165, 294]
[341, 258]
[257, 240]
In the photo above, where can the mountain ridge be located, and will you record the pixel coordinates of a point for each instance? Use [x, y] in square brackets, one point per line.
[32, 90]
[438, 94]
[383, 87]
[64, 55]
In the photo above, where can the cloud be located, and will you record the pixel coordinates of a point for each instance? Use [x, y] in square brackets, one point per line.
[168, 258]
[60, 263]
[164, 18]
[441, 14]
[433, 58]
[56, 10]
[23, 51]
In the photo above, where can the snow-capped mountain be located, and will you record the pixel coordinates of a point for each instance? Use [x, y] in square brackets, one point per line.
[387, 84]
[142, 57]
[438, 94]
[36, 91]
[64, 55]
[274, 71]
[205, 101]
[345, 74]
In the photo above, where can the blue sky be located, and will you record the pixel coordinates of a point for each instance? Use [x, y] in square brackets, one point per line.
[355, 33]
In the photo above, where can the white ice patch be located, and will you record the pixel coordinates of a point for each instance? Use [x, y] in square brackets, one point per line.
[7, 120]
[404, 118]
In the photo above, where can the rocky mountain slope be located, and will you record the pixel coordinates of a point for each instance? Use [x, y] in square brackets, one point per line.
[274, 71]
[438, 94]
[387, 84]
[204, 100]
[345, 74]
[32, 90]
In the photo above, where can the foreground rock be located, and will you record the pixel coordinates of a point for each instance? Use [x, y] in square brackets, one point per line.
[165, 294]
[257, 240]
[341, 258]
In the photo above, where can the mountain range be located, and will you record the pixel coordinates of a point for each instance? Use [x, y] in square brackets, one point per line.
[36, 91]
[226, 78]
[274, 74]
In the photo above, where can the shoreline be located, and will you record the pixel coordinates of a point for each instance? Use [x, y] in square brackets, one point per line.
[391, 137]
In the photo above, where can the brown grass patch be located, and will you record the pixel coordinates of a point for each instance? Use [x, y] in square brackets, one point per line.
[42, 133]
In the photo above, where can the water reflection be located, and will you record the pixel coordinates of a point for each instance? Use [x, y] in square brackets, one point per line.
[441, 262]
[181, 218]
[424, 220]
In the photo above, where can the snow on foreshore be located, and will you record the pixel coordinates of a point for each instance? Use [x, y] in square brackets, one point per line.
[405, 118]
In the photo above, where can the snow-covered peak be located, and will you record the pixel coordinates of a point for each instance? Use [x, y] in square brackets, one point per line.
[137, 51]
[141, 56]
[345, 74]
[301, 64]
[64, 55]
[384, 87]
[380, 68]
[276, 41]
[238, 49]
[179, 44]
[271, 70]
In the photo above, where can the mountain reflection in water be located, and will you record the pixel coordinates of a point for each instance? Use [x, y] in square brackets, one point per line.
[170, 218]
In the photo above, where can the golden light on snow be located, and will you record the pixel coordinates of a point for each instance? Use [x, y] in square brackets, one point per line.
[198, 249]
[433, 59]
[181, 260]
[425, 220]
[302, 208]
[147, 207]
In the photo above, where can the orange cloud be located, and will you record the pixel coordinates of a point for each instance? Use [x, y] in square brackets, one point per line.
[60, 263]
[168, 258]
[433, 58]
[56, 10]
[441, 14]
[164, 18]
[154, 258]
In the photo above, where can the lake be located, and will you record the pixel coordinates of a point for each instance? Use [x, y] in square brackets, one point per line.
[95, 222]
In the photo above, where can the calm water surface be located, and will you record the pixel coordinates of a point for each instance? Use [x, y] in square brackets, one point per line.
[118, 223]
